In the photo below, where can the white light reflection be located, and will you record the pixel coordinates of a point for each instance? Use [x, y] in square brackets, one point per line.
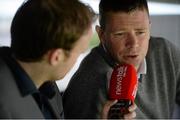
[156, 8]
[9, 7]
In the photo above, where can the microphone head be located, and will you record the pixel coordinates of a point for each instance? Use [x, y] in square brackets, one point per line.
[123, 83]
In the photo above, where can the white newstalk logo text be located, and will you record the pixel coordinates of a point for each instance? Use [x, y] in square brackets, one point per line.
[121, 74]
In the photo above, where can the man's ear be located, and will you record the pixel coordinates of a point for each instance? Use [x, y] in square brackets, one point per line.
[100, 33]
[56, 56]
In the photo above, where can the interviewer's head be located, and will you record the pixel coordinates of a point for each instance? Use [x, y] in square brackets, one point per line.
[53, 28]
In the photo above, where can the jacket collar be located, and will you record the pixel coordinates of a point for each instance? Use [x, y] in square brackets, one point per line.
[51, 91]
[106, 55]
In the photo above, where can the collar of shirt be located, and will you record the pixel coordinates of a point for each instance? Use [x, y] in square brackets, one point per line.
[142, 69]
[27, 86]
[48, 89]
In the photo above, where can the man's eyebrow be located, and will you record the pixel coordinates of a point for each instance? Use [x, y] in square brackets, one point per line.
[141, 29]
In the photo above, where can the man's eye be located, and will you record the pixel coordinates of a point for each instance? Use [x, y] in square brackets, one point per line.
[119, 34]
[140, 32]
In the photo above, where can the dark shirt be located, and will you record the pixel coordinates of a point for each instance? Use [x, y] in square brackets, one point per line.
[27, 87]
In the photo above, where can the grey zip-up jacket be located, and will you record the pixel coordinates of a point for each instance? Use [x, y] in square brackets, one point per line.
[158, 90]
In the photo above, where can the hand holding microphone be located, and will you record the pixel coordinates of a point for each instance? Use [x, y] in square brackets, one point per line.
[123, 87]
[130, 115]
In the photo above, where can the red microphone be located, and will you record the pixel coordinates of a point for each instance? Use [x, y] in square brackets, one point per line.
[123, 87]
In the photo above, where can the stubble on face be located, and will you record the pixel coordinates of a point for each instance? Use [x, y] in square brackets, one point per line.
[126, 36]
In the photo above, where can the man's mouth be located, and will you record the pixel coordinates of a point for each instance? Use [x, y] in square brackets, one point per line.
[131, 56]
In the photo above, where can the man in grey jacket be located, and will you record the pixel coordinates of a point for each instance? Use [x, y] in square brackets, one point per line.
[45, 42]
[124, 34]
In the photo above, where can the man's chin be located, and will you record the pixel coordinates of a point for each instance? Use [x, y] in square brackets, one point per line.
[135, 64]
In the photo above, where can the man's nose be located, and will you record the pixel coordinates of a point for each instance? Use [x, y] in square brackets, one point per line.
[132, 41]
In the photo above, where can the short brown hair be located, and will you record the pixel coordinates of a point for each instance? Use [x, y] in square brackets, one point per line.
[41, 25]
[107, 6]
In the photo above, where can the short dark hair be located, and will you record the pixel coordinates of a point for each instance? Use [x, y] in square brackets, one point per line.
[106, 6]
[41, 25]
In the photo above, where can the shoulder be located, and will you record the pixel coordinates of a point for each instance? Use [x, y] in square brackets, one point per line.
[8, 90]
[6, 75]
[91, 65]
[8, 86]
[158, 45]
[163, 53]
[90, 75]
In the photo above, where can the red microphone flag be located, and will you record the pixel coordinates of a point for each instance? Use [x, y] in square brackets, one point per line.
[123, 83]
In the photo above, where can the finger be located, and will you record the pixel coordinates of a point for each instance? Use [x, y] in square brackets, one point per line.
[130, 115]
[109, 104]
[132, 107]
[112, 102]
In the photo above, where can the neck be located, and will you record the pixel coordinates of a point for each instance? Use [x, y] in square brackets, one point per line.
[36, 72]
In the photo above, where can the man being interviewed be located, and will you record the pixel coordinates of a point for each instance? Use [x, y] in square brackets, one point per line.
[124, 34]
